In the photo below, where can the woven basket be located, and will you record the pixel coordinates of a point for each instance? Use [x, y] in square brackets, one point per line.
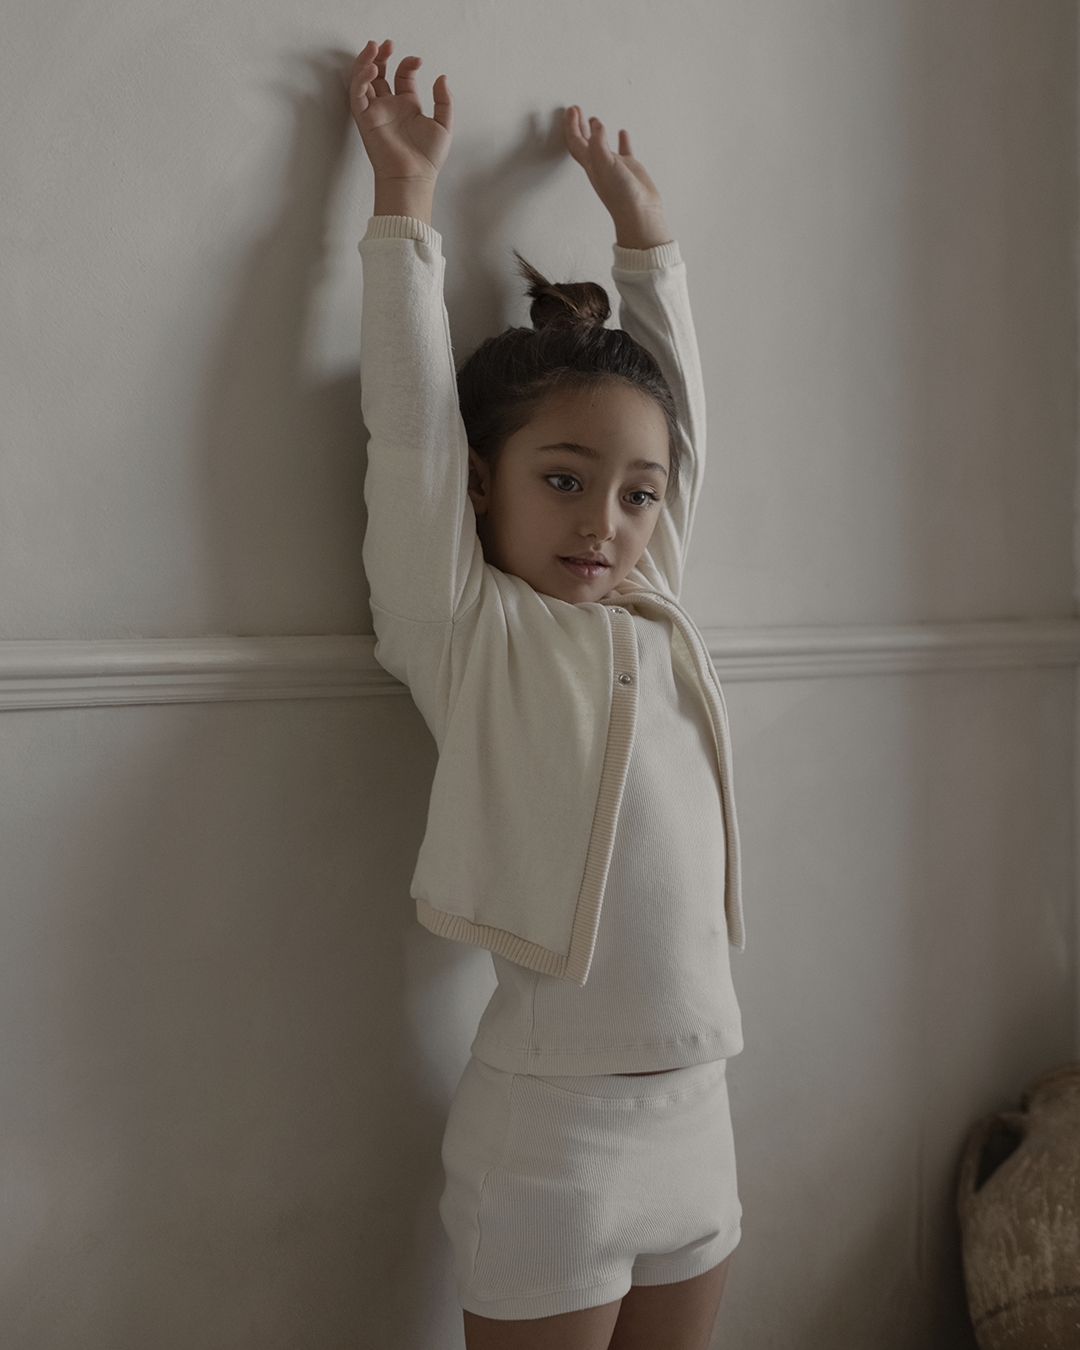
[1019, 1202]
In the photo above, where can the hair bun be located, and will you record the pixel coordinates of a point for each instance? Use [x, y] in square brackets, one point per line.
[571, 304]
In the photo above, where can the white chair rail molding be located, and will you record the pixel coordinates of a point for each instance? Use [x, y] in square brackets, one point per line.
[62, 674]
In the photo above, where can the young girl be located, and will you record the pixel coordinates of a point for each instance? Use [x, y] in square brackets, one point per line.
[528, 524]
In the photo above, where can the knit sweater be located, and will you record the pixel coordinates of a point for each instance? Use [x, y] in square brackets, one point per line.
[532, 701]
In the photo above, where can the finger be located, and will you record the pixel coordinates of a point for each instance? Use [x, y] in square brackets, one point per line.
[365, 57]
[380, 83]
[598, 137]
[444, 103]
[361, 94]
[363, 72]
[405, 79]
[624, 145]
[574, 134]
[360, 90]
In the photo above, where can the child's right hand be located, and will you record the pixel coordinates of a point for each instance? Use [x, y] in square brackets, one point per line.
[406, 149]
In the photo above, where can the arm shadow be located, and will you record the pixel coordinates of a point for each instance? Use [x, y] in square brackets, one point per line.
[283, 464]
[482, 206]
[283, 452]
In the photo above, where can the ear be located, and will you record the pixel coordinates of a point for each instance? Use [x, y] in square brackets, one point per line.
[479, 483]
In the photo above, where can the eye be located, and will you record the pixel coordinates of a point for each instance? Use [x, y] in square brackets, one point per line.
[563, 482]
[642, 497]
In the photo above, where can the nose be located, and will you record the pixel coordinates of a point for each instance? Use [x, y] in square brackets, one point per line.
[598, 518]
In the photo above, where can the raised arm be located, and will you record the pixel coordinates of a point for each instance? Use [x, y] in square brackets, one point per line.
[655, 310]
[420, 547]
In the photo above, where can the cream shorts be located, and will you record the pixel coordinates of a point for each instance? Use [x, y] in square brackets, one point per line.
[561, 1193]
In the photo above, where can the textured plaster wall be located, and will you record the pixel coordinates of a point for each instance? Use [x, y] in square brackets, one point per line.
[226, 1047]
[876, 198]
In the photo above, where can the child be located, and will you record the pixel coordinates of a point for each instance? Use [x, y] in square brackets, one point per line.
[527, 530]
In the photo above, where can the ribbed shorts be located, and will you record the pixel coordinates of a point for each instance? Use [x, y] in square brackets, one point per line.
[561, 1193]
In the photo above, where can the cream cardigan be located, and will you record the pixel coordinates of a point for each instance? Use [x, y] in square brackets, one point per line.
[531, 700]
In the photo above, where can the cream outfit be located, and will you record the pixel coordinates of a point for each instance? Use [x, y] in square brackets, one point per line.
[581, 827]
[532, 701]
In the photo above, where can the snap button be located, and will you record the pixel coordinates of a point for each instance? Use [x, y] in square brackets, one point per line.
[626, 679]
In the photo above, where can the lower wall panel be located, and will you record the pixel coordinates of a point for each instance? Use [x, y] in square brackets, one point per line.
[909, 880]
[229, 1048]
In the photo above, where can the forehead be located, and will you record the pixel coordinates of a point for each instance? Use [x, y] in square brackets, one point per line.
[609, 419]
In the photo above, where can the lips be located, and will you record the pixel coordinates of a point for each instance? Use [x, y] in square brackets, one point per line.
[586, 566]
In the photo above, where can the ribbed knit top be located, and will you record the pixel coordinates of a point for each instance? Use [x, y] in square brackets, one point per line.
[659, 994]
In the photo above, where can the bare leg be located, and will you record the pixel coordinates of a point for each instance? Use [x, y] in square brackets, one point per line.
[589, 1329]
[673, 1316]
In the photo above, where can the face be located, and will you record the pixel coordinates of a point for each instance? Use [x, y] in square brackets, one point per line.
[576, 493]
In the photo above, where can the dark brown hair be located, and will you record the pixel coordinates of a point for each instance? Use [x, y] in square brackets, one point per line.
[568, 348]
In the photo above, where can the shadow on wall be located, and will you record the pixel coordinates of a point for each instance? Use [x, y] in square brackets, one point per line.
[480, 291]
[284, 457]
[217, 1127]
[285, 464]
[232, 1111]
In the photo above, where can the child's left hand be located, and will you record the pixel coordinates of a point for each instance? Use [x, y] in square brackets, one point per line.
[620, 181]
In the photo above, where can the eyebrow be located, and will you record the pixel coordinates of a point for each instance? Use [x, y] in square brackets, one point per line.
[587, 452]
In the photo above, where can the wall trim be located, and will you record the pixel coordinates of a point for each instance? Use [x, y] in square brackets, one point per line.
[901, 649]
[63, 674]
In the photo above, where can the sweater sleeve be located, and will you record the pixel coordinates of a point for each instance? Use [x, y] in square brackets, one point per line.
[655, 310]
[421, 552]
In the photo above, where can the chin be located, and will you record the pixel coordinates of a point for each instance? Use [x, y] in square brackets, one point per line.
[586, 594]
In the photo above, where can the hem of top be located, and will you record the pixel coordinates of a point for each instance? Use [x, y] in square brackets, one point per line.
[402, 227]
[519, 950]
[667, 1086]
[592, 1064]
[646, 259]
[528, 1307]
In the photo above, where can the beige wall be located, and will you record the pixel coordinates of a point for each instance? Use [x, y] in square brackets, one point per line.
[226, 1047]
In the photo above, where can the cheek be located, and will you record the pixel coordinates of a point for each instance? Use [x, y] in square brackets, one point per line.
[525, 511]
[517, 524]
[644, 526]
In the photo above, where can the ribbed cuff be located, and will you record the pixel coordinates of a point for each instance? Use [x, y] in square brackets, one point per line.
[646, 259]
[403, 227]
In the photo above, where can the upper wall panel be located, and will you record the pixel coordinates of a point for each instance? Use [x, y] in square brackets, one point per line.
[877, 201]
